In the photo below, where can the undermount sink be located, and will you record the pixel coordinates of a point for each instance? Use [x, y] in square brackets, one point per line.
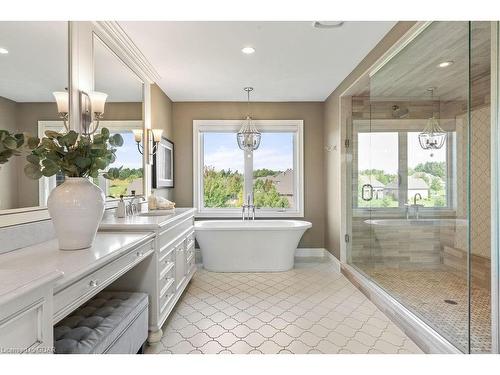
[157, 213]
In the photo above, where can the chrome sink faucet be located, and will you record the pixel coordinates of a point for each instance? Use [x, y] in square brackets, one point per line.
[132, 208]
[414, 205]
[248, 206]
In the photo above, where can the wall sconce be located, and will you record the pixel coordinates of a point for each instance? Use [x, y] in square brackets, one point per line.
[62, 100]
[92, 110]
[154, 134]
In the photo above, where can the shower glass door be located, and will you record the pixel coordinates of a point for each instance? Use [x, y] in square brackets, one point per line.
[413, 204]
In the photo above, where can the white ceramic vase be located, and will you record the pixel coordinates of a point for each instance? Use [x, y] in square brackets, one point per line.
[76, 208]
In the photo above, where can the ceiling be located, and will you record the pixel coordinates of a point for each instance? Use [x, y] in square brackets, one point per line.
[415, 68]
[37, 65]
[37, 62]
[202, 61]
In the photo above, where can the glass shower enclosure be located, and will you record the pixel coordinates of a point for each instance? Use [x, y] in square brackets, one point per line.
[419, 180]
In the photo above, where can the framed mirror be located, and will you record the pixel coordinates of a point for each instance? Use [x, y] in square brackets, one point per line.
[123, 113]
[33, 73]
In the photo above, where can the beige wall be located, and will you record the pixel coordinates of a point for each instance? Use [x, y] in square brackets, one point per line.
[333, 135]
[311, 112]
[161, 117]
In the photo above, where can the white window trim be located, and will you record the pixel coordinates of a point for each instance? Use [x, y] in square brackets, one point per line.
[296, 126]
[377, 126]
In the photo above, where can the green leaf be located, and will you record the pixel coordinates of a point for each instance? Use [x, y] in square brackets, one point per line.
[50, 164]
[69, 139]
[100, 163]
[32, 171]
[105, 133]
[82, 162]
[33, 142]
[10, 143]
[49, 144]
[52, 134]
[116, 140]
[33, 159]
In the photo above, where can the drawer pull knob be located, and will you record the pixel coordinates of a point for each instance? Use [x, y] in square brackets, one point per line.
[140, 254]
[93, 283]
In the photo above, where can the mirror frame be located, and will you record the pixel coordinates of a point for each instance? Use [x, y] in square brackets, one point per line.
[81, 78]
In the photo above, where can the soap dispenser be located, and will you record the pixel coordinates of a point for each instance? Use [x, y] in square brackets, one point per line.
[152, 201]
[120, 209]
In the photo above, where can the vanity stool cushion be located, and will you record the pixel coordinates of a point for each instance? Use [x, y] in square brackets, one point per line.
[111, 322]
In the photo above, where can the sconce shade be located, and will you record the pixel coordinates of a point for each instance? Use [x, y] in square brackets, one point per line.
[62, 100]
[137, 135]
[98, 100]
[157, 134]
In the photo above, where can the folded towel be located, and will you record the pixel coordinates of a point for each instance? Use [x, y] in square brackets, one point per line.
[164, 204]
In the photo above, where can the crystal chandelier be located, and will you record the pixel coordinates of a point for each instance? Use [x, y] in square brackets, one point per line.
[433, 136]
[248, 137]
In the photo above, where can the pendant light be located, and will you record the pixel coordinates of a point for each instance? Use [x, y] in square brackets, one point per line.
[433, 136]
[248, 137]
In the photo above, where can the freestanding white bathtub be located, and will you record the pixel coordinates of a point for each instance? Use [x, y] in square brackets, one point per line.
[249, 246]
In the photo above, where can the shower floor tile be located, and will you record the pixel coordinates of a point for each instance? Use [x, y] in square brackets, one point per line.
[310, 309]
[440, 298]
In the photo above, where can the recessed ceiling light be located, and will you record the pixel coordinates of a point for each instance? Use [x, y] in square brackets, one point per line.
[3, 51]
[327, 24]
[248, 50]
[445, 64]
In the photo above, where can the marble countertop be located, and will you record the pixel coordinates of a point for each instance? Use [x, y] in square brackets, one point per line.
[25, 269]
[136, 222]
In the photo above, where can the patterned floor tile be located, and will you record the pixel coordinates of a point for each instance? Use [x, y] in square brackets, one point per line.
[309, 309]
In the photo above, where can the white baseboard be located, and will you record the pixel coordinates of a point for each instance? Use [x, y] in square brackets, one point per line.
[316, 252]
[319, 252]
[334, 260]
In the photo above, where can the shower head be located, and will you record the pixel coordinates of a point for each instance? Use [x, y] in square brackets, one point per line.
[399, 113]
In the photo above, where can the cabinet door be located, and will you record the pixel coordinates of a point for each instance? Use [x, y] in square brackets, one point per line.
[180, 264]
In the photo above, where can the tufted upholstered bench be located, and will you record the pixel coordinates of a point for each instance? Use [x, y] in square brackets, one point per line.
[111, 322]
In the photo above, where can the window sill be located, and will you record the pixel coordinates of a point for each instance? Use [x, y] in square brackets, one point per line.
[237, 214]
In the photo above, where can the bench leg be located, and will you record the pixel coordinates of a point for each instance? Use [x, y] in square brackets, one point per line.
[155, 336]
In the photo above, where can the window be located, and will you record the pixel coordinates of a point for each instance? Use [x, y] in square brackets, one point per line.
[128, 157]
[427, 173]
[378, 163]
[391, 168]
[222, 171]
[226, 176]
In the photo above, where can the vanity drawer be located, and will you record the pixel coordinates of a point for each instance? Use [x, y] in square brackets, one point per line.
[190, 240]
[68, 299]
[167, 295]
[166, 274]
[190, 252]
[171, 246]
[190, 263]
[174, 232]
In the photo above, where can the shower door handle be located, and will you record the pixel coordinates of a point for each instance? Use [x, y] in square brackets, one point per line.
[370, 197]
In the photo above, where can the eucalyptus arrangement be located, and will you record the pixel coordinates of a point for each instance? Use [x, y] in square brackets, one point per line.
[77, 205]
[74, 155]
[11, 144]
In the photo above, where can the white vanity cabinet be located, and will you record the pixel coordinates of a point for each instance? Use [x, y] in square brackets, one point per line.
[26, 318]
[41, 284]
[166, 274]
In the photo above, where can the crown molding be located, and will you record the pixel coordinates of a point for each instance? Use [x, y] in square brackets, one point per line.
[127, 47]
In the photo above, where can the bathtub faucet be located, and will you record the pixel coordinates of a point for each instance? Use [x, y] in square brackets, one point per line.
[249, 206]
